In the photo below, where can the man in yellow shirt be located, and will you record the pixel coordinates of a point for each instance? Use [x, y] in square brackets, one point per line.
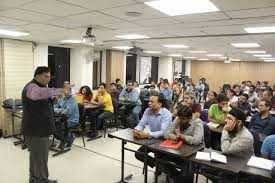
[104, 100]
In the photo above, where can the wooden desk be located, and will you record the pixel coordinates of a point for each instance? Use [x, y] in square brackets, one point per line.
[125, 136]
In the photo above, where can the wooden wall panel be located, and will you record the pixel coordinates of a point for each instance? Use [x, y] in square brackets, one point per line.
[115, 63]
[218, 73]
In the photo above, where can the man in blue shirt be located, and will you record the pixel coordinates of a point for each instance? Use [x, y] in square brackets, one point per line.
[131, 95]
[268, 147]
[262, 124]
[68, 106]
[157, 119]
[167, 92]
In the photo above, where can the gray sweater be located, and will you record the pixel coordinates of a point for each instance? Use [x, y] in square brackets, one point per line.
[241, 144]
[193, 135]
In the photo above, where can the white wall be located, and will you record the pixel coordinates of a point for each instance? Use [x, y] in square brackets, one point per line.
[81, 68]
[166, 68]
[40, 55]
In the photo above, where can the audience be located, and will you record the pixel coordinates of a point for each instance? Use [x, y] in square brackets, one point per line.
[104, 100]
[216, 117]
[211, 99]
[129, 94]
[232, 97]
[67, 105]
[119, 85]
[244, 105]
[166, 91]
[84, 95]
[268, 147]
[157, 118]
[189, 100]
[236, 139]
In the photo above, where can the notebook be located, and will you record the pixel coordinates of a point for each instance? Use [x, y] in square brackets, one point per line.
[260, 163]
[171, 144]
[211, 156]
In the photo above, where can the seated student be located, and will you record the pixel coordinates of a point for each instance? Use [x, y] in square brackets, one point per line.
[68, 106]
[262, 124]
[84, 95]
[136, 86]
[244, 105]
[157, 118]
[189, 100]
[185, 127]
[167, 92]
[114, 92]
[268, 147]
[237, 90]
[232, 97]
[236, 139]
[211, 99]
[102, 99]
[119, 85]
[129, 94]
[216, 115]
[267, 95]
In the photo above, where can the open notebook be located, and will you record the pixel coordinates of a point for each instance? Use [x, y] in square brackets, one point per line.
[211, 156]
[260, 163]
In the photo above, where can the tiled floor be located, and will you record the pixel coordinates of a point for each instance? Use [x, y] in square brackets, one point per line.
[99, 162]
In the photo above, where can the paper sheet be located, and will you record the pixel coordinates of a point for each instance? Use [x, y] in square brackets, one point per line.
[260, 163]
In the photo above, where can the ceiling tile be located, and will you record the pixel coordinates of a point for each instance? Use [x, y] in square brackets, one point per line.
[147, 12]
[5, 4]
[43, 28]
[261, 12]
[156, 22]
[9, 21]
[226, 5]
[100, 4]
[202, 17]
[123, 26]
[25, 15]
[54, 8]
[93, 18]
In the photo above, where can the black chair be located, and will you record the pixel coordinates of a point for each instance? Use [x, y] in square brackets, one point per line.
[108, 123]
[78, 130]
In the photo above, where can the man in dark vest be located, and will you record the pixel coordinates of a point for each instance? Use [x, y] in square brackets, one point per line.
[37, 122]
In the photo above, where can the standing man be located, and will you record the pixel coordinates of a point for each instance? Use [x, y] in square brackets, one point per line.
[38, 123]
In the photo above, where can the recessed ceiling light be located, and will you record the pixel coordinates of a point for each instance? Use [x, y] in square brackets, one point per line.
[176, 46]
[197, 51]
[122, 47]
[263, 55]
[182, 7]
[152, 52]
[13, 33]
[245, 45]
[175, 55]
[132, 36]
[72, 41]
[202, 59]
[255, 52]
[190, 57]
[214, 55]
[260, 29]
[235, 59]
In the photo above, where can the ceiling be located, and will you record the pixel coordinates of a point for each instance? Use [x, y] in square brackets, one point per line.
[54, 20]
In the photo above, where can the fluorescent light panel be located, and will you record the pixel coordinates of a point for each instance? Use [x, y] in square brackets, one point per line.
[182, 7]
[260, 29]
[269, 60]
[72, 41]
[246, 45]
[175, 55]
[263, 55]
[132, 36]
[13, 33]
[255, 51]
[202, 59]
[122, 47]
[190, 57]
[176, 46]
[266, 58]
[152, 52]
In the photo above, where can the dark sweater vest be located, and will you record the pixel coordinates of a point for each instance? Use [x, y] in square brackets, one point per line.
[37, 115]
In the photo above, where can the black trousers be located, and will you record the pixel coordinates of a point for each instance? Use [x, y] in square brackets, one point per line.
[39, 153]
[140, 156]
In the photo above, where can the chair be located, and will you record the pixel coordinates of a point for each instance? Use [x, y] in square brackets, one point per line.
[109, 122]
[78, 130]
